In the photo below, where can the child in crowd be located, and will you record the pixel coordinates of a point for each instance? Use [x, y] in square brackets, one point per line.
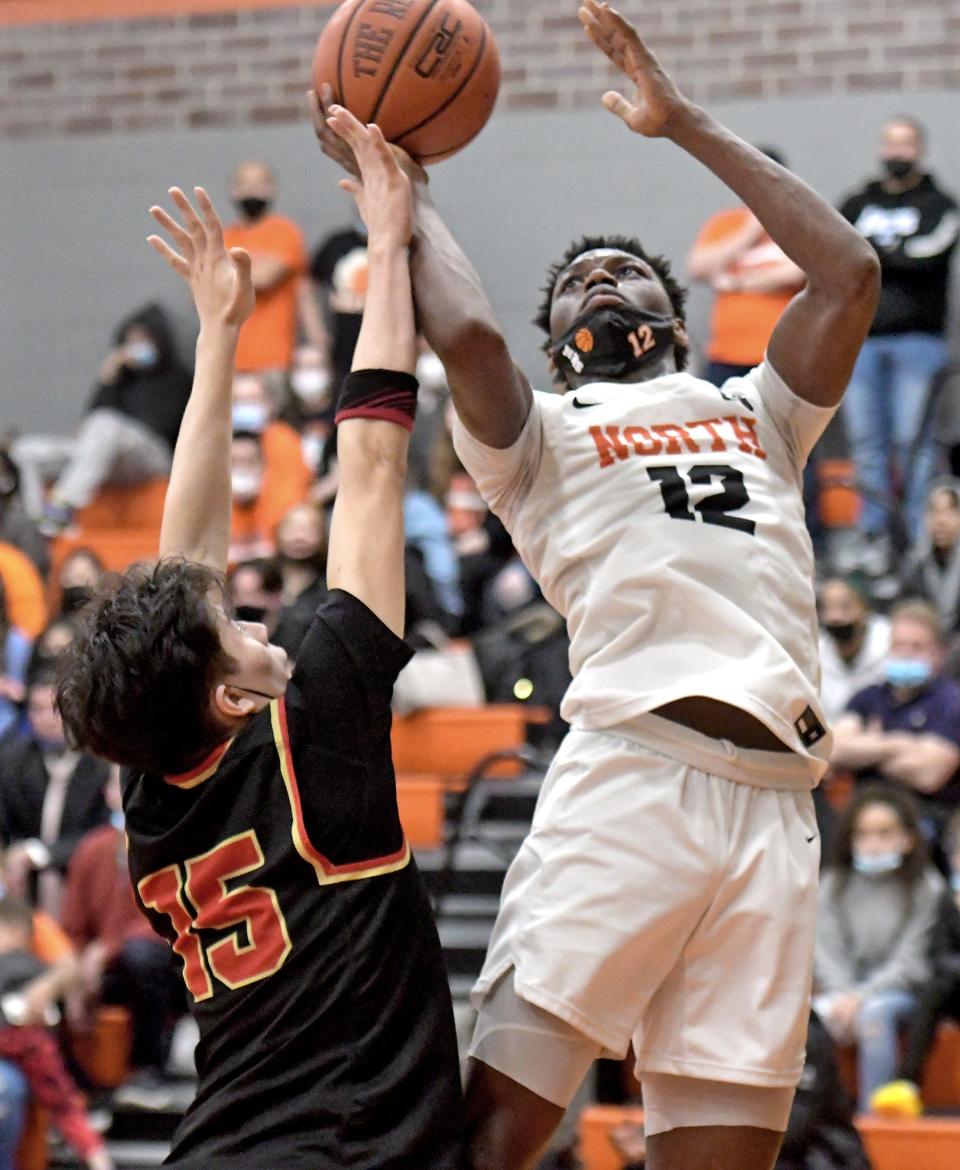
[30, 1046]
[879, 899]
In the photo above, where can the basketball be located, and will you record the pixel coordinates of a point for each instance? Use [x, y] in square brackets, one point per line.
[426, 71]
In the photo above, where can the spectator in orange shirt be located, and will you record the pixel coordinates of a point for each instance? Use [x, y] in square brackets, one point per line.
[279, 255]
[753, 281]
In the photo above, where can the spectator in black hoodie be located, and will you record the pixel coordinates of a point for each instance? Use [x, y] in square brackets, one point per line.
[131, 424]
[913, 225]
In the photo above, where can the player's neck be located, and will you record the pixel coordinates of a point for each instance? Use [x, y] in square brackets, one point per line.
[666, 365]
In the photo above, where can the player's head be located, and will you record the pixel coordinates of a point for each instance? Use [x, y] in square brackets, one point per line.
[880, 833]
[599, 273]
[158, 674]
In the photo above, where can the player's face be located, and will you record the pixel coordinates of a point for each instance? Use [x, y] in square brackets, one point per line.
[878, 830]
[261, 668]
[605, 278]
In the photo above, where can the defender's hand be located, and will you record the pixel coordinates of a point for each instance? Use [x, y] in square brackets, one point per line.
[383, 192]
[219, 280]
[335, 148]
[656, 99]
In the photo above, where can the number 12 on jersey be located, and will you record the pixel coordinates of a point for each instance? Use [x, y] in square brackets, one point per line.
[713, 509]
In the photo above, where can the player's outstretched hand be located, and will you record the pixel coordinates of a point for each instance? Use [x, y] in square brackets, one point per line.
[339, 150]
[219, 280]
[382, 191]
[656, 99]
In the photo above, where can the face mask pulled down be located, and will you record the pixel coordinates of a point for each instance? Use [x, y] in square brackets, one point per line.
[612, 344]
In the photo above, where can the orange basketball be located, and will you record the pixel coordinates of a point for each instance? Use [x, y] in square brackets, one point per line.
[426, 71]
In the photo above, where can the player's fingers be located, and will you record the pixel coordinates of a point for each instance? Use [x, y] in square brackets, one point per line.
[190, 218]
[617, 104]
[169, 224]
[174, 259]
[242, 260]
[620, 30]
[211, 221]
[381, 148]
[351, 186]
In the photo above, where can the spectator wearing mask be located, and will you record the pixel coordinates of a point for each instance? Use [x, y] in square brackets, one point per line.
[121, 960]
[913, 225]
[753, 282]
[79, 575]
[302, 559]
[907, 728]
[50, 643]
[50, 795]
[250, 530]
[879, 900]
[15, 651]
[287, 476]
[482, 545]
[854, 643]
[132, 421]
[278, 253]
[938, 1000]
[933, 569]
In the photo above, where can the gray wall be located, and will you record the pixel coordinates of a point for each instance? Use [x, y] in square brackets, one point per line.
[73, 216]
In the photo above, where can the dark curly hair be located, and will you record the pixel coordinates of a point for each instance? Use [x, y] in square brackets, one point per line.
[632, 246]
[905, 807]
[134, 686]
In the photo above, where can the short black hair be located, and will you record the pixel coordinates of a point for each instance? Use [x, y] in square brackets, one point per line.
[633, 247]
[134, 685]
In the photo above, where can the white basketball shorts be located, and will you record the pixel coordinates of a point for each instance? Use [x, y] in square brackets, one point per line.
[659, 904]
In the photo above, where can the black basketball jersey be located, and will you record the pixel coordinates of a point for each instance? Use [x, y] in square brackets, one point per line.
[279, 872]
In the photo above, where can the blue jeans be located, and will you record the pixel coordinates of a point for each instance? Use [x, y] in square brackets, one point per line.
[883, 412]
[878, 1024]
[13, 1111]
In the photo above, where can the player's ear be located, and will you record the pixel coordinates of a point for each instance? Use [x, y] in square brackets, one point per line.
[680, 336]
[232, 703]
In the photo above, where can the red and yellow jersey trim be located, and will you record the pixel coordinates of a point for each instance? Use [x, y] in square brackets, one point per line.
[203, 771]
[327, 873]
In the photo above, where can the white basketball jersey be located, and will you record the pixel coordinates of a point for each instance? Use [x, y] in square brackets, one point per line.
[664, 520]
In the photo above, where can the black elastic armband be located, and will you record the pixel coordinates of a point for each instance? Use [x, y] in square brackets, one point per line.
[378, 394]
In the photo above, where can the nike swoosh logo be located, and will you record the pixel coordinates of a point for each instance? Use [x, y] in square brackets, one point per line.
[813, 838]
[583, 405]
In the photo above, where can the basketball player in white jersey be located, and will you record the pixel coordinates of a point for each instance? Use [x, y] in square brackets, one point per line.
[666, 893]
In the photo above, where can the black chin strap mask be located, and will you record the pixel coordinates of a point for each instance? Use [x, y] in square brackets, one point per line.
[610, 344]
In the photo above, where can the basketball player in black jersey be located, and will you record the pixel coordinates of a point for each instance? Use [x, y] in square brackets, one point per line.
[260, 801]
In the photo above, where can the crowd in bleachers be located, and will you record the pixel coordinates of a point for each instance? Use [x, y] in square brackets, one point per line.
[888, 956]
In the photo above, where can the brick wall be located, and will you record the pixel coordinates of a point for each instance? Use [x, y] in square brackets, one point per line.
[251, 67]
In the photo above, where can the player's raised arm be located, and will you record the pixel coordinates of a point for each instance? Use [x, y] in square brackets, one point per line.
[819, 336]
[492, 396]
[196, 513]
[376, 406]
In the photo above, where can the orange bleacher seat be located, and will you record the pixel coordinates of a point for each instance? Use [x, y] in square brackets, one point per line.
[32, 1152]
[104, 1052]
[596, 1124]
[941, 1073]
[121, 525]
[435, 749]
[925, 1144]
